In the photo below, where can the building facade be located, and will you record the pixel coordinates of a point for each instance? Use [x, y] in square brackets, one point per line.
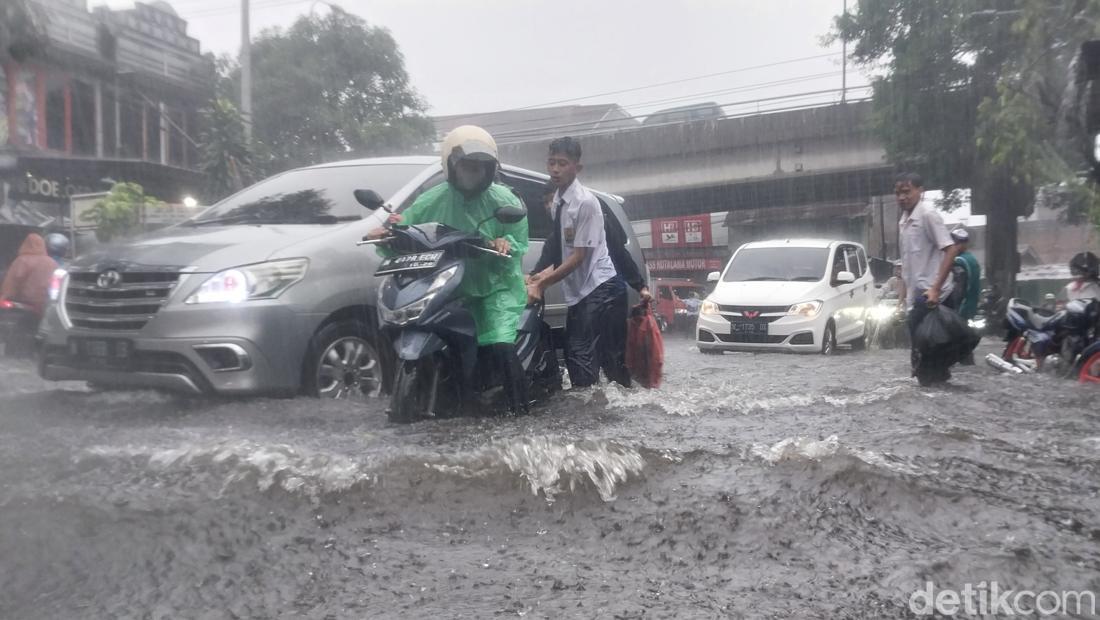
[113, 95]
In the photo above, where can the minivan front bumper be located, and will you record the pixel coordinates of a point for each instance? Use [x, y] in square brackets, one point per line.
[253, 348]
[788, 333]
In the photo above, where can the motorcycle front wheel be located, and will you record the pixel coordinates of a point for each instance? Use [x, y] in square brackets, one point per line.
[422, 390]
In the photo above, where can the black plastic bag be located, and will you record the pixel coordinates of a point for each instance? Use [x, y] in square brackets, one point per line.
[944, 338]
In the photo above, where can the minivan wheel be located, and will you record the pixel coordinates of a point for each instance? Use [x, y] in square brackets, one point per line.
[342, 363]
[828, 341]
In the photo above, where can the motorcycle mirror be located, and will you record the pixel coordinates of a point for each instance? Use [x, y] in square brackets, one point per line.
[369, 199]
[510, 215]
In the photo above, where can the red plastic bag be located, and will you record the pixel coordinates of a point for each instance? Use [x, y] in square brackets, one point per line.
[645, 350]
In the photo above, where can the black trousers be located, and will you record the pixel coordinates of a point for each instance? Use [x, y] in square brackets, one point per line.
[595, 336]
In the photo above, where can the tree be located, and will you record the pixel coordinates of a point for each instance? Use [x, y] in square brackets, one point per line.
[969, 93]
[330, 87]
[118, 214]
[227, 162]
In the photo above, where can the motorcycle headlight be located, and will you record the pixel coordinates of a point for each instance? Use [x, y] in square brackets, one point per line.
[57, 283]
[406, 314]
[808, 309]
[260, 281]
[709, 308]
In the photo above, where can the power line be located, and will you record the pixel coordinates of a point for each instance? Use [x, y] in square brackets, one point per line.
[679, 81]
[519, 123]
[793, 96]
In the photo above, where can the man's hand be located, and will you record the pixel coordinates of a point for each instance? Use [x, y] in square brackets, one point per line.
[534, 293]
[502, 246]
[531, 278]
[378, 233]
[646, 295]
[933, 296]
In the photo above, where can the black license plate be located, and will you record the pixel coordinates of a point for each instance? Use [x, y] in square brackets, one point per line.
[112, 351]
[750, 331]
[410, 262]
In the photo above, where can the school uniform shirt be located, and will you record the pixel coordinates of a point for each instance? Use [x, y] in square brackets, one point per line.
[923, 238]
[582, 227]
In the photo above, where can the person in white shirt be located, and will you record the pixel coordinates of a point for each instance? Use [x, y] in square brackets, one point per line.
[927, 255]
[595, 293]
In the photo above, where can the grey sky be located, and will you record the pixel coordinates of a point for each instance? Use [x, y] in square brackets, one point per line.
[484, 55]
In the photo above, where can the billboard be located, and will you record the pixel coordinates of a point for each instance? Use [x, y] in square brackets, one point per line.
[693, 231]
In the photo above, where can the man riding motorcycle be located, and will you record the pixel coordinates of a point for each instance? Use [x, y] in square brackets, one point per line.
[1085, 269]
[493, 289]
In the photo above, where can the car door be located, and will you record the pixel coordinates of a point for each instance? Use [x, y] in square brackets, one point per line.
[843, 294]
[864, 292]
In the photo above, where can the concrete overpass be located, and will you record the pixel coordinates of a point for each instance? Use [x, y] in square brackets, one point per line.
[807, 170]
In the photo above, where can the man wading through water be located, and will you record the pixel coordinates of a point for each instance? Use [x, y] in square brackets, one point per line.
[593, 282]
[927, 254]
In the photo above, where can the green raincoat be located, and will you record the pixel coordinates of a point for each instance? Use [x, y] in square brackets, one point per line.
[493, 288]
[969, 306]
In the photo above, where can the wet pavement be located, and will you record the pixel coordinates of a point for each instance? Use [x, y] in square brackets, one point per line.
[750, 485]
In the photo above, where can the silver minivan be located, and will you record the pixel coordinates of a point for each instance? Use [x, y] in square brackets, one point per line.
[265, 292]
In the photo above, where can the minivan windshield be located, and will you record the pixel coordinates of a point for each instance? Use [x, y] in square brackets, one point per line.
[784, 264]
[309, 196]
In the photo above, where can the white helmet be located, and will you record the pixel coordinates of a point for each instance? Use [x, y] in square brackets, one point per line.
[474, 144]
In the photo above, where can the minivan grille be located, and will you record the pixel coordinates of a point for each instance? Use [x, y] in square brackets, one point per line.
[126, 304]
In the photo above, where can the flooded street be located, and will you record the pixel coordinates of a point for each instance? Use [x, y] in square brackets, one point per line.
[768, 485]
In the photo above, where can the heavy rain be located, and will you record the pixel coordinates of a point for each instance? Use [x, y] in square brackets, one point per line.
[549, 309]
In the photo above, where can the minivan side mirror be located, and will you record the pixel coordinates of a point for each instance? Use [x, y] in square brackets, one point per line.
[714, 276]
[510, 215]
[369, 199]
[845, 277]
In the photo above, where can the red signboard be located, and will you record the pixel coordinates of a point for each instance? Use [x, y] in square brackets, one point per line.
[681, 232]
[684, 264]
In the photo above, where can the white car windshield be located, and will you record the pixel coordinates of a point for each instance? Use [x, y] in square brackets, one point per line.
[785, 264]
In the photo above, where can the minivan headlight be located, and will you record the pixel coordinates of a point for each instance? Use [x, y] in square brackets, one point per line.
[260, 281]
[709, 308]
[808, 309]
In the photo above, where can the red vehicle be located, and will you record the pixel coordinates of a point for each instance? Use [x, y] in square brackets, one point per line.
[677, 302]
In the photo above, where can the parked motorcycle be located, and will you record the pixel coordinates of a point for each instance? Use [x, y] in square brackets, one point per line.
[18, 323]
[1061, 343]
[439, 364]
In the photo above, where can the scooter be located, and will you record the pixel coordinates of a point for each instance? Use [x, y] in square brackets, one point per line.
[18, 323]
[434, 336]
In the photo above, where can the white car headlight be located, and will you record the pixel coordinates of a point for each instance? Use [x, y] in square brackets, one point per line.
[259, 281]
[808, 309]
[881, 313]
[709, 308]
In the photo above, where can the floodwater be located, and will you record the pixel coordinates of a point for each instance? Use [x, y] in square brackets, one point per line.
[750, 485]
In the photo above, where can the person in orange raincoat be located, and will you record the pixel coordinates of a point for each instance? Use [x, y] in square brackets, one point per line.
[28, 278]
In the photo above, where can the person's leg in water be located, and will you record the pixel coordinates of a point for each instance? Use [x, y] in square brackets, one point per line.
[917, 311]
[498, 319]
[581, 344]
[611, 322]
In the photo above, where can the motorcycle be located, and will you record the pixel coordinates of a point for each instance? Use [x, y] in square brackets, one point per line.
[440, 368]
[1060, 343]
[888, 323]
[18, 323]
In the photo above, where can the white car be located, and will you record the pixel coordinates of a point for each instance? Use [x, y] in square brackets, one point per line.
[805, 295]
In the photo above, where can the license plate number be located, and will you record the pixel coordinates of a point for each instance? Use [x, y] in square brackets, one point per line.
[750, 329]
[107, 349]
[410, 262]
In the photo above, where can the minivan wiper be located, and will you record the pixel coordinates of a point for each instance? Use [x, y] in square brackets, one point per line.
[764, 278]
[805, 279]
[228, 219]
[333, 219]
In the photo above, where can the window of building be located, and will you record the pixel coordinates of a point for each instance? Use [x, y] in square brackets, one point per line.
[84, 138]
[55, 114]
[176, 138]
[131, 130]
[152, 133]
[26, 107]
[3, 105]
[110, 145]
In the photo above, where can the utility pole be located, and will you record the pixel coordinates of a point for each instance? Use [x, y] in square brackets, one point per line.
[843, 60]
[246, 72]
